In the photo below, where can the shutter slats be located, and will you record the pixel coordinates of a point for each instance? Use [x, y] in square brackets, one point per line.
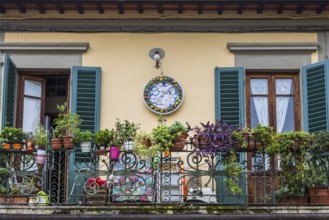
[9, 94]
[315, 99]
[87, 96]
[228, 95]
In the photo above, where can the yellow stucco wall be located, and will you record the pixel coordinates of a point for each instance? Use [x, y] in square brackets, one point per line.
[126, 68]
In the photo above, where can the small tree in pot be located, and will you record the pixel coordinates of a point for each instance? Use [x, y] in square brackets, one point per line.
[103, 139]
[67, 125]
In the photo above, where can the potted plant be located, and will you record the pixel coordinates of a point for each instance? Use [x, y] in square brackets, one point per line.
[67, 124]
[215, 137]
[170, 138]
[293, 148]
[102, 139]
[41, 141]
[29, 142]
[128, 130]
[13, 136]
[220, 139]
[318, 169]
[3, 191]
[85, 139]
[144, 145]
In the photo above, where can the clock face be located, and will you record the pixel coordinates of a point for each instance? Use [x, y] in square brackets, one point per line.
[163, 95]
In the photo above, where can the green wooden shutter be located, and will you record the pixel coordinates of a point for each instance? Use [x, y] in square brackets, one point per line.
[85, 101]
[315, 96]
[8, 93]
[86, 88]
[229, 88]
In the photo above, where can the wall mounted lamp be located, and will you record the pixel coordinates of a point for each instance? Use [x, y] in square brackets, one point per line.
[157, 54]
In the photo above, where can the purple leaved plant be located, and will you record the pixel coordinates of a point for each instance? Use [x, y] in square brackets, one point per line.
[215, 137]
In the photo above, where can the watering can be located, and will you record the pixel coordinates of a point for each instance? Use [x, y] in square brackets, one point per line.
[43, 199]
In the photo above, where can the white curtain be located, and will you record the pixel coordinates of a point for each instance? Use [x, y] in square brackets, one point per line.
[282, 87]
[260, 87]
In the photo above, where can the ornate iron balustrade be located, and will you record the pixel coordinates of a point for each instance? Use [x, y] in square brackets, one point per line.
[72, 177]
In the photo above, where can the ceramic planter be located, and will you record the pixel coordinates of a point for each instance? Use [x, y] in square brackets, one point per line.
[17, 146]
[114, 153]
[6, 146]
[85, 147]
[129, 145]
[41, 157]
[29, 146]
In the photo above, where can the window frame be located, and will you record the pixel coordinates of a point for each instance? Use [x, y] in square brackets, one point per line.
[272, 96]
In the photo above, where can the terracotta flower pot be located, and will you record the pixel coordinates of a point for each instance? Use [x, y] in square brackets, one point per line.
[56, 144]
[319, 195]
[6, 146]
[179, 143]
[17, 146]
[68, 142]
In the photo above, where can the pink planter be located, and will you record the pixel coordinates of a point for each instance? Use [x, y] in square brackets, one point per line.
[114, 153]
[41, 157]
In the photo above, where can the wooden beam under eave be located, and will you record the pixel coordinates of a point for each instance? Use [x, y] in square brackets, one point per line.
[240, 9]
[160, 8]
[280, 8]
[300, 8]
[140, 8]
[120, 9]
[200, 9]
[320, 9]
[100, 8]
[20, 8]
[260, 8]
[180, 8]
[60, 8]
[79, 8]
[40, 8]
[220, 9]
[2, 10]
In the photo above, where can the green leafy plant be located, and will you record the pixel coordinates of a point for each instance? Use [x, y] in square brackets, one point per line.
[319, 164]
[165, 135]
[144, 145]
[265, 134]
[41, 137]
[104, 137]
[3, 190]
[13, 135]
[84, 136]
[67, 122]
[233, 170]
[293, 148]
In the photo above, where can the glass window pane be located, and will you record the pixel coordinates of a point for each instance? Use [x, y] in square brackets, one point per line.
[32, 88]
[284, 86]
[259, 111]
[259, 86]
[31, 114]
[285, 114]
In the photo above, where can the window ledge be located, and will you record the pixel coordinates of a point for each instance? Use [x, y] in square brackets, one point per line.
[76, 47]
[257, 47]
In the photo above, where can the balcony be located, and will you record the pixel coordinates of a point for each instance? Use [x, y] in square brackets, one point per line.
[72, 178]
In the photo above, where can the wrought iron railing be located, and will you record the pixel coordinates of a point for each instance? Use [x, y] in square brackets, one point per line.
[72, 177]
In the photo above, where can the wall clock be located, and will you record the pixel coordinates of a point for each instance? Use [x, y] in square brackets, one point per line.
[163, 95]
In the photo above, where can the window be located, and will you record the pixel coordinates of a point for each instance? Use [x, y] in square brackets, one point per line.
[34, 86]
[273, 100]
